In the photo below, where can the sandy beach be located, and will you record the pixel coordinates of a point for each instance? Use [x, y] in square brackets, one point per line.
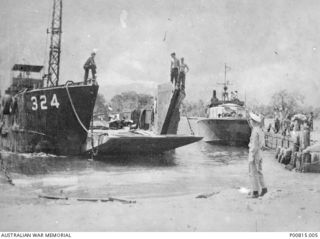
[292, 204]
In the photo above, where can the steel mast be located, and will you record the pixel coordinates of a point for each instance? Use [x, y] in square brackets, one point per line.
[225, 95]
[55, 44]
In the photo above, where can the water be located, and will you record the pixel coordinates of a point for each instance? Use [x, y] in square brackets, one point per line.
[193, 169]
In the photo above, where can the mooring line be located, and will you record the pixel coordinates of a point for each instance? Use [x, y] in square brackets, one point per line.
[93, 151]
[74, 109]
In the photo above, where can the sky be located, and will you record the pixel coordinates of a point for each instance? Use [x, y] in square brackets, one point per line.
[269, 45]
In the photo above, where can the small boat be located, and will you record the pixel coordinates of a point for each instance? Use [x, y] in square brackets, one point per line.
[226, 123]
[128, 142]
[138, 136]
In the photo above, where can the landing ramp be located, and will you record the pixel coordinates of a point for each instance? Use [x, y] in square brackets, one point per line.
[135, 143]
[168, 104]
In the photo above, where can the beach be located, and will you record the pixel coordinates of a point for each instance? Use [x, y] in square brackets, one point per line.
[292, 204]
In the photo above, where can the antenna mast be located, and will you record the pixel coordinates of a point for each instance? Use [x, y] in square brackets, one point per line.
[225, 74]
[55, 44]
[225, 96]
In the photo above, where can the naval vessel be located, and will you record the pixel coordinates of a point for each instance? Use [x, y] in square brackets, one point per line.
[38, 113]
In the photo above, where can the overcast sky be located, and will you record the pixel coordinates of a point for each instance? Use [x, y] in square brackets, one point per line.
[269, 45]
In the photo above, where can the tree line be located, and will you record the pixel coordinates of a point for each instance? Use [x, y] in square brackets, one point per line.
[285, 101]
[282, 100]
[124, 101]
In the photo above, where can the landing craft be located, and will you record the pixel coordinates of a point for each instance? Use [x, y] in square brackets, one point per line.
[38, 113]
[154, 134]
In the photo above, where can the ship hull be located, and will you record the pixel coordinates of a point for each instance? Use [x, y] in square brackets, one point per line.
[225, 131]
[44, 120]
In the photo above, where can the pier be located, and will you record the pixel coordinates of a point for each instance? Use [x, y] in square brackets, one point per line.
[300, 159]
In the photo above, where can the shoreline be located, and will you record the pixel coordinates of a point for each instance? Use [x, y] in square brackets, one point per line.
[292, 204]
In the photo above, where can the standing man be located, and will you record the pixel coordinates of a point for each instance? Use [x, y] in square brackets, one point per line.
[232, 95]
[183, 69]
[310, 121]
[255, 157]
[174, 69]
[236, 95]
[276, 122]
[90, 65]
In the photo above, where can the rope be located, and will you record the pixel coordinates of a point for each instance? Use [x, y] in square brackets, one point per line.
[191, 131]
[93, 151]
[74, 110]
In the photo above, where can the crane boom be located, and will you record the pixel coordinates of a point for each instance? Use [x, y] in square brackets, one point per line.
[55, 44]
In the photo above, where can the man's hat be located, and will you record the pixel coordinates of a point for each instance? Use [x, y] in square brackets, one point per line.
[173, 54]
[94, 51]
[255, 117]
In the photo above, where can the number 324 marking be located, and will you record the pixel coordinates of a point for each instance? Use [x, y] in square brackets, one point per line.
[43, 101]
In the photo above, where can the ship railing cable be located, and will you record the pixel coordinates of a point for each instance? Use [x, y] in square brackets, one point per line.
[93, 151]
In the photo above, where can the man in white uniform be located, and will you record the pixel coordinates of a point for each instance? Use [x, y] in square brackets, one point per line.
[255, 157]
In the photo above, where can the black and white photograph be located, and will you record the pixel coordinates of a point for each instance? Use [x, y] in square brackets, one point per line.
[159, 116]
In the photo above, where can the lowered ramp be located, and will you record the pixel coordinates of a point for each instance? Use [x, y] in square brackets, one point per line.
[163, 137]
[167, 114]
[124, 142]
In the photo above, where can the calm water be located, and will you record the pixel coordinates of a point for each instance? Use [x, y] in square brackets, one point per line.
[192, 169]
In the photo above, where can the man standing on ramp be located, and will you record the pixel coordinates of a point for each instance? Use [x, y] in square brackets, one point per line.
[174, 70]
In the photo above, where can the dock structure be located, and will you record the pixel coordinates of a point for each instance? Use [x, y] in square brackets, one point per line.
[167, 114]
[273, 141]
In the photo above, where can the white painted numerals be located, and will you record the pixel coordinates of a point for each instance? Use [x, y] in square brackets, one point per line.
[43, 102]
[34, 103]
[54, 101]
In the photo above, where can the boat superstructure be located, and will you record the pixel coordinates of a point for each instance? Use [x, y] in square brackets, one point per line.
[226, 121]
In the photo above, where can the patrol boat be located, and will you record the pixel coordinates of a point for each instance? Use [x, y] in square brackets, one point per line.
[226, 123]
[38, 113]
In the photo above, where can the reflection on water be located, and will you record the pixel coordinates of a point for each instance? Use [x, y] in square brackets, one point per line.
[190, 169]
[188, 156]
[36, 164]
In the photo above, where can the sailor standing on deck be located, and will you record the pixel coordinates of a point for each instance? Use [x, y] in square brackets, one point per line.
[174, 70]
[255, 157]
[90, 65]
[183, 69]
